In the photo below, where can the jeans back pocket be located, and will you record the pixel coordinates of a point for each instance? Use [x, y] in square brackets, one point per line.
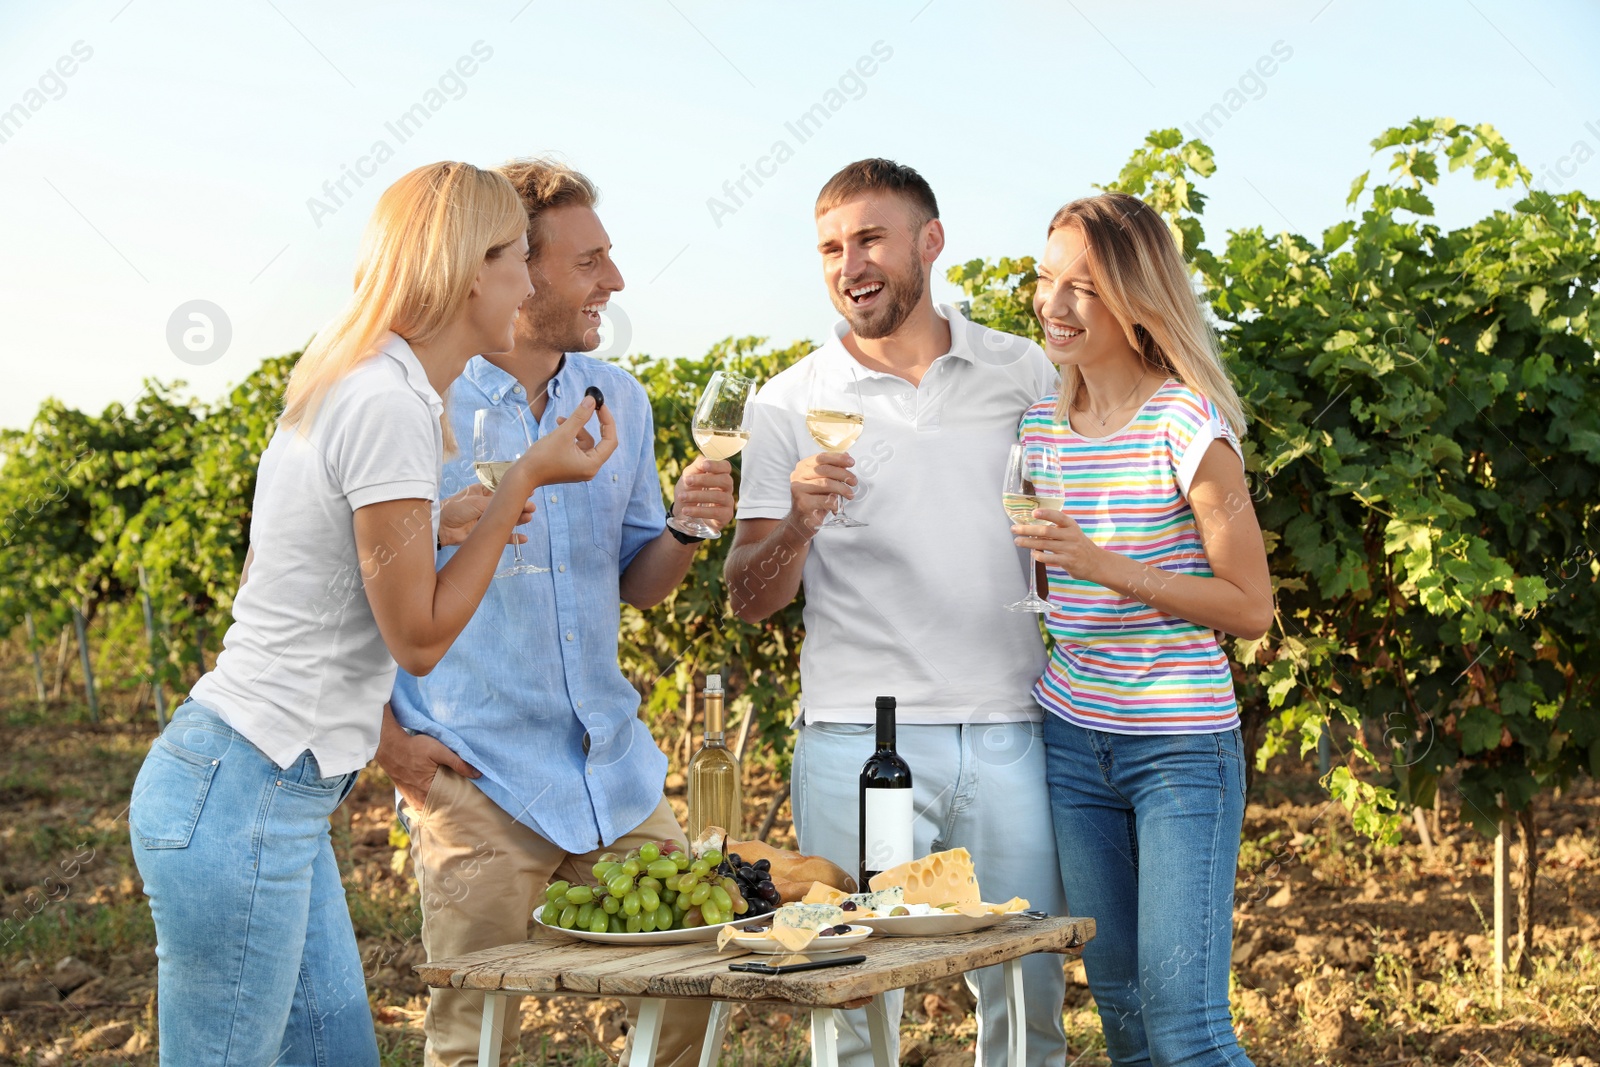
[169, 794]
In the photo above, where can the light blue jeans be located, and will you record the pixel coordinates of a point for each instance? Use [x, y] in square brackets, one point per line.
[256, 959]
[981, 787]
[1147, 828]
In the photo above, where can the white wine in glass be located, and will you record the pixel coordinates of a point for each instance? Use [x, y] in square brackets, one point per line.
[835, 431]
[490, 472]
[494, 450]
[721, 429]
[1029, 483]
[835, 420]
[721, 444]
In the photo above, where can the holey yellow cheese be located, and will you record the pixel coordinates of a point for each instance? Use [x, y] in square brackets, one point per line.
[940, 878]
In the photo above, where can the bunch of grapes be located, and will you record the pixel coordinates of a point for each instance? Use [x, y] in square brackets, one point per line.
[754, 881]
[654, 887]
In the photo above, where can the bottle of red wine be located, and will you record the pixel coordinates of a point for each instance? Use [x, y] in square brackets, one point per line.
[885, 802]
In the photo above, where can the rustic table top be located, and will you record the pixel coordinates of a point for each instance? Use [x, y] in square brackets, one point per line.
[553, 964]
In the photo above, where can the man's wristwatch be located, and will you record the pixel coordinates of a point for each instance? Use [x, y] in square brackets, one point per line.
[683, 538]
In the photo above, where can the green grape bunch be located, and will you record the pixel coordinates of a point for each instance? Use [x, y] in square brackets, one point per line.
[654, 887]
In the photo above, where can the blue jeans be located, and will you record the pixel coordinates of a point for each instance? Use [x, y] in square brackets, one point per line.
[256, 959]
[979, 786]
[1147, 828]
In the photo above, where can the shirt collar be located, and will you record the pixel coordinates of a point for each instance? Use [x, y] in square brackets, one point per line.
[960, 342]
[396, 348]
[496, 383]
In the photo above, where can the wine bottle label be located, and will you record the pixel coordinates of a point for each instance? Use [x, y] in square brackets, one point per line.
[888, 841]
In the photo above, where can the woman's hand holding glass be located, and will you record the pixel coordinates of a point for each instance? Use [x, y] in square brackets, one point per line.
[1031, 486]
[1056, 540]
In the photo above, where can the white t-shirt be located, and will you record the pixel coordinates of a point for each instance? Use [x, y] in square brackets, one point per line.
[303, 665]
[912, 605]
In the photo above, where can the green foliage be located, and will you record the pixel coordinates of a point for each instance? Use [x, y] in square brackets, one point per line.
[1425, 461]
[167, 485]
[1424, 456]
[693, 632]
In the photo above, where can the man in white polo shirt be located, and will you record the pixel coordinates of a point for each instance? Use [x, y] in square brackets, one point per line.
[911, 604]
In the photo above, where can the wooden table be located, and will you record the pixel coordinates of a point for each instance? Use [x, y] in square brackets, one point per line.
[551, 964]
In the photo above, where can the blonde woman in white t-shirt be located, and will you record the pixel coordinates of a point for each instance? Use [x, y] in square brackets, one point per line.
[257, 958]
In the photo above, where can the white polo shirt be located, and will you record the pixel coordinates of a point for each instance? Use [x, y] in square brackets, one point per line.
[912, 605]
[303, 665]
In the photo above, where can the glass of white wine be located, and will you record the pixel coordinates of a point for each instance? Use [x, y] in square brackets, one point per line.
[835, 419]
[721, 429]
[1030, 483]
[494, 449]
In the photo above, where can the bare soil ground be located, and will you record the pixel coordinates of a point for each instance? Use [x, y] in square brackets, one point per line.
[1344, 955]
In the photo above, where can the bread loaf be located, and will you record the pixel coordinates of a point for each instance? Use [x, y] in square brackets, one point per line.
[793, 872]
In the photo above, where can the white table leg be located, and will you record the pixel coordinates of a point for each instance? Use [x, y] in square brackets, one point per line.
[716, 1030]
[878, 1029]
[824, 1038]
[647, 1032]
[1016, 1014]
[494, 1021]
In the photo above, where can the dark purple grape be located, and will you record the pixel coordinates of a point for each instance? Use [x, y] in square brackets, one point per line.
[763, 865]
[768, 892]
[842, 928]
[734, 859]
[848, 905]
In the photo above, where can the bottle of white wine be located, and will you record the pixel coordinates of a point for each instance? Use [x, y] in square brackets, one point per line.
[714, 773]
[886, 813]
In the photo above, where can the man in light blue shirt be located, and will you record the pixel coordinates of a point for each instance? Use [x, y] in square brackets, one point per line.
[522, 756]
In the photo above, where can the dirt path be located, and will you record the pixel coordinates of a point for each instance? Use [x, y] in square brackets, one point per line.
[1343, 956]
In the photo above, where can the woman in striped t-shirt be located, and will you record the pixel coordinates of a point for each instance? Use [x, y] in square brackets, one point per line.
[1155, 548]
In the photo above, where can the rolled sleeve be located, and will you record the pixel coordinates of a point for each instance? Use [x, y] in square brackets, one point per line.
[645, 516]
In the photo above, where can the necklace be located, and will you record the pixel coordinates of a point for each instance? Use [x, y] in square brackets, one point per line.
[1102, 418]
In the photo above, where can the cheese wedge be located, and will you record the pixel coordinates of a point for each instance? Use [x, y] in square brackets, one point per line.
[822, 893]
[940, 878]
[974, 910]
[794, 926]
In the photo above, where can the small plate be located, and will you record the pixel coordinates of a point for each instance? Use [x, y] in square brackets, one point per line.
[834, 942]
[940, 925]
[654, 937]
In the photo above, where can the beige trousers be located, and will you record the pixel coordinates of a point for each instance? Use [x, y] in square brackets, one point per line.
[480, 874]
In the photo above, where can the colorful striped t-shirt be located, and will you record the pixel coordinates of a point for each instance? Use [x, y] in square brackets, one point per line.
[1119, 665]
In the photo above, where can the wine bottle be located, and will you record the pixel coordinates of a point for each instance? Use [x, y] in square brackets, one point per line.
[714, 772]
[886, 814]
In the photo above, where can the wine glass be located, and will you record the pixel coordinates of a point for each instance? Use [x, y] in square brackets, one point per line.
[494, 449]
[1030, 483]
[835, 419]
[721, 429]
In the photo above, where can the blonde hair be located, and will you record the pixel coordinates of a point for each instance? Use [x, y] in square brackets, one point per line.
[1140, 276]
[422, 250]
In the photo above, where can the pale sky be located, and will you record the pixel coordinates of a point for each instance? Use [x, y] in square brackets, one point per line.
[155, 152]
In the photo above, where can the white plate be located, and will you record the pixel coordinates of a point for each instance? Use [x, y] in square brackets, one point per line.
[654, 937]
[831, 943]
[941, 925]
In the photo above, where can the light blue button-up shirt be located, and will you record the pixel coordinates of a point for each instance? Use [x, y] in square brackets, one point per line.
[535, 671]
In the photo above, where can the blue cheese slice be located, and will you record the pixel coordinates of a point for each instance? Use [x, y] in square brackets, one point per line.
[877, 902]
[794, 926]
